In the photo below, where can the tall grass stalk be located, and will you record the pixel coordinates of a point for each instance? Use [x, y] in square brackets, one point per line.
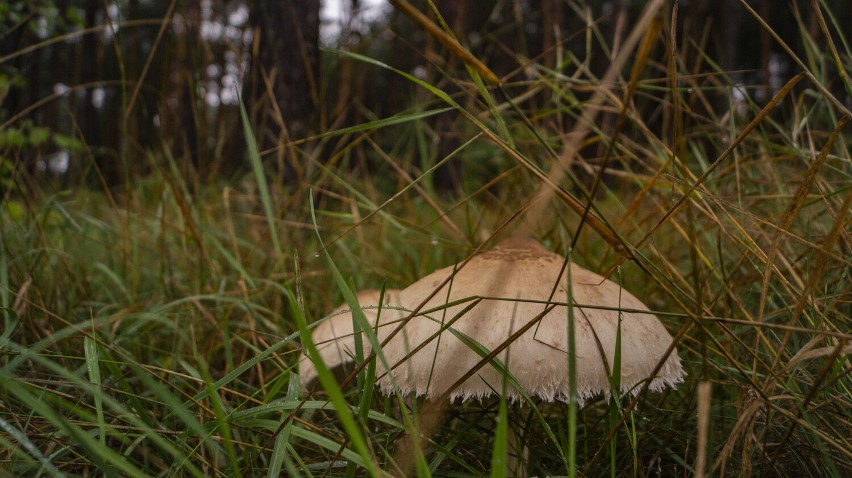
[154, 326]
[573, 396]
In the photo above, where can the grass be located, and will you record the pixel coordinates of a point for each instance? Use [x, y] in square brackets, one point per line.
[155, 328]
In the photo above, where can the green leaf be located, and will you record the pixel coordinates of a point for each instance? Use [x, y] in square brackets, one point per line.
[260, 177]
[499, 454]
[92, 364]
[326, 378]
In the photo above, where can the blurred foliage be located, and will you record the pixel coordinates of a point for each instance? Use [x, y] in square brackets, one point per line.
[126, 81]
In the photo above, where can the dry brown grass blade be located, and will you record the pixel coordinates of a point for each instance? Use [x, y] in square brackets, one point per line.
[837, 351]
[774, 228]
[72, 36]
[183, 202]
[844, 75]
[822, 88]
[821, 261]
[485, 187]
[796, 203]
[704, 396]
[745, 423]
[595, 222]
[591, 108]
[422, 192]
[727, 152]
[442, 215]
[726, 354]
[644, 50]
[141, 80]
[606, 232]
[24, 112]
[447, 41]
[19, 306]
[805, 295]
[678, 139]
[819, 334]
[740, 238]
[305, 58]
[790, 279]
[808, 352]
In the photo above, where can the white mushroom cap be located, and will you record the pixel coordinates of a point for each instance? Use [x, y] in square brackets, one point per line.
[335, 336]
[517, 276]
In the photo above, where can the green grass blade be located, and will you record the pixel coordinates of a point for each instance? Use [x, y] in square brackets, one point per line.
[249, 364]
[280, 451]
[326, 378]
[371, 126]
[93, 366]
[499, 454]
[572, 375]
[334, 447]
[116, 281]
[9, 319]
[106, 459]
[615, 388]
[29, 448]
[260, 177]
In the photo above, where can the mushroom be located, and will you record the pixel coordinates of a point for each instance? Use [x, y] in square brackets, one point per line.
[335, 336]
[519, 289]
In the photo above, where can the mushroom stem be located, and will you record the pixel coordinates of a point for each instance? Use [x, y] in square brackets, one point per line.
[431, 415]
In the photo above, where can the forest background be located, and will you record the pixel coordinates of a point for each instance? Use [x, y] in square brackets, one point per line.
[160, 246]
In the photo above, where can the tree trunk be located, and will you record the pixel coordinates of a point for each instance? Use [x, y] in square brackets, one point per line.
[282, 88]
